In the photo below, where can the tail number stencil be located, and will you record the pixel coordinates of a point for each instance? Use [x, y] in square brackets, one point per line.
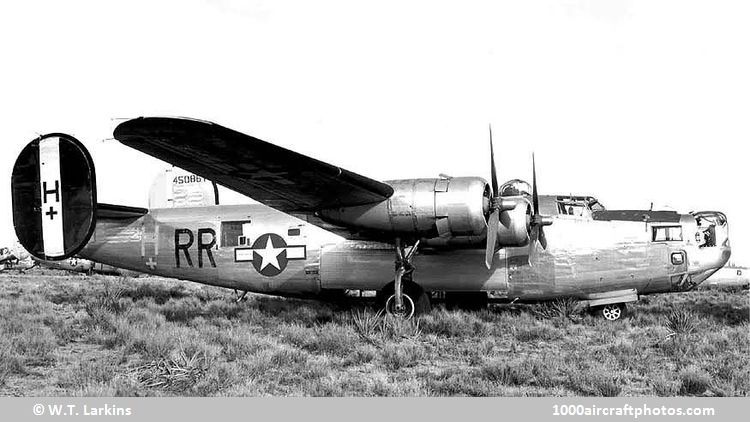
[270, 254]
[184, 239]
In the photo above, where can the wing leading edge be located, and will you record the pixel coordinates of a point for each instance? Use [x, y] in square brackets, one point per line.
[272, 175]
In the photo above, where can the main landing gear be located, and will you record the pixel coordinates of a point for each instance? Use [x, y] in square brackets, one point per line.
[404, 297]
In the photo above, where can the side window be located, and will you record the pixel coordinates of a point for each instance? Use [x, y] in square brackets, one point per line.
[233, 233]
[667, 234]
[571, 208]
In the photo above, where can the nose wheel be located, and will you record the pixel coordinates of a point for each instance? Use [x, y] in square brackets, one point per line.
[612, 311]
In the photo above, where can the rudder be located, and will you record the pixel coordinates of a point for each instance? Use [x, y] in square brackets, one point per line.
[53, 188]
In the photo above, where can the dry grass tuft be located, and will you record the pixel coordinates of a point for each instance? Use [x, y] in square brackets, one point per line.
[367, 324]
[179, 373]
[681, 322]
[568, 308]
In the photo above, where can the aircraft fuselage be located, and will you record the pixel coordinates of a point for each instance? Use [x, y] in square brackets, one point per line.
[259, 249]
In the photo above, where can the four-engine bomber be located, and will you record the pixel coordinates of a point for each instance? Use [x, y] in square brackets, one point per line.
[319, 229]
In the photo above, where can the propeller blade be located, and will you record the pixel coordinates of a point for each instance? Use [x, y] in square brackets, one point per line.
[493, 172]
[532, 244]
[537, 235]
[535, 194]
[492, 224]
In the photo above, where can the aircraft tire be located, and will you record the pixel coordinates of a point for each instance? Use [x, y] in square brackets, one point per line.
[414, 296]
[612, 312]
[406, 313]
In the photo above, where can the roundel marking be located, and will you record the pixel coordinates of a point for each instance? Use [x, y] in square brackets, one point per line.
[270, 254]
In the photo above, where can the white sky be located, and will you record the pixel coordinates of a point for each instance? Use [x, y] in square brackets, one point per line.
[630, 101]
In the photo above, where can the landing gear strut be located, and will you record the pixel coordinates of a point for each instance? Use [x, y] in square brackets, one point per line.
[240, 297]
[400, 304]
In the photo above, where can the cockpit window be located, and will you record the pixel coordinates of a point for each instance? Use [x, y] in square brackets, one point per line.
[571, 208]
[667, 234]
[596, 206]
[515, 187]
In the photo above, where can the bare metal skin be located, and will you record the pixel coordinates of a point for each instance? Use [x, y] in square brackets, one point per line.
[319, 228]
[583, 256]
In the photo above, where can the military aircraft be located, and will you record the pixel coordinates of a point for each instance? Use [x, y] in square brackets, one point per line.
[77, 264]
[319, 229]
[731, 275]
[15, 257]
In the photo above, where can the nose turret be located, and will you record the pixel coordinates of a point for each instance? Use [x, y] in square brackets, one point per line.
[714, 247]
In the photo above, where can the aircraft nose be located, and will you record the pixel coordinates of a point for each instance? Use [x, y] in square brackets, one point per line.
[726, 252]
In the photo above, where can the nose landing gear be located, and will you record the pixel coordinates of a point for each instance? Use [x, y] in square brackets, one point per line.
[612, 311]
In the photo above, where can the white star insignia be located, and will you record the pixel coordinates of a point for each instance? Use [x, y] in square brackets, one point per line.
[269, 255]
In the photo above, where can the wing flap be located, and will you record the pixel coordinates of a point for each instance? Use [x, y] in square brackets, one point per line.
[275, 176]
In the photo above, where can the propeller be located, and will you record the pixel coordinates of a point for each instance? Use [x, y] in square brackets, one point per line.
[494, 219]
[496, 206]
[538, 221]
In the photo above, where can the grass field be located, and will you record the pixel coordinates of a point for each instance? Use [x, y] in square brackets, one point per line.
[64, 335]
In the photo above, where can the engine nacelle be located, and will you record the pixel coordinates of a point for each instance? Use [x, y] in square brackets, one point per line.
[423, 207]
[515, 224]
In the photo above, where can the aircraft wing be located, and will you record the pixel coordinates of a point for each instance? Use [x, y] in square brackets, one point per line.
[272, 175]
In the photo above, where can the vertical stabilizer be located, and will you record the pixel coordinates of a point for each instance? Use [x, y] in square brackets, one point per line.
[54, 196]
[177, 188]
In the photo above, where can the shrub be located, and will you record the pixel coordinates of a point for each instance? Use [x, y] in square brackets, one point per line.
[367, 324]
[567, 307]
[107, 301]
[178, 373]
[681, 322]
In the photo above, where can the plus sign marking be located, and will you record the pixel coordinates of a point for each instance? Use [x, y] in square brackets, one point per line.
[270, 254]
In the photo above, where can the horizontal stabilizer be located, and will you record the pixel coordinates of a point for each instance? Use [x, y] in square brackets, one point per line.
[119, 212]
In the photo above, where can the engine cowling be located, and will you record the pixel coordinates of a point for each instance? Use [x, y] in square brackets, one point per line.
[514, 228]
[423, 207]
